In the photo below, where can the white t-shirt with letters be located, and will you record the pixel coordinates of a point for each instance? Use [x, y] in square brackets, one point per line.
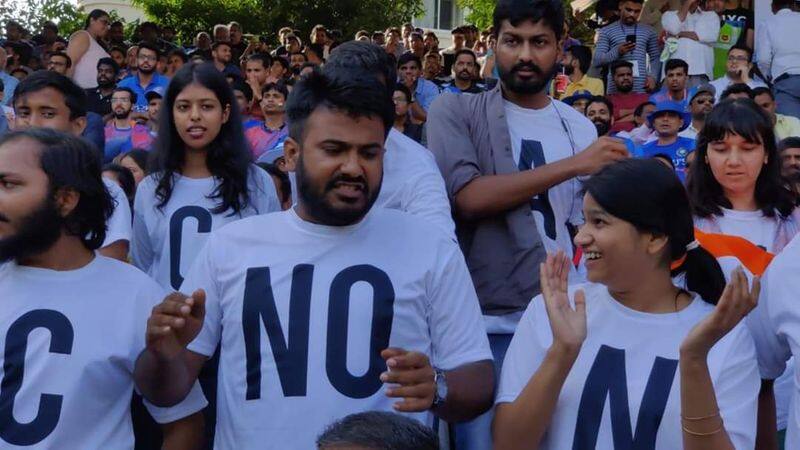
[70, 341]
[625, 383]
[303, 311]
[166, 241]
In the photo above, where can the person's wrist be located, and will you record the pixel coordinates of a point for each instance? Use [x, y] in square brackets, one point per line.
[693, 354]
[565, 351]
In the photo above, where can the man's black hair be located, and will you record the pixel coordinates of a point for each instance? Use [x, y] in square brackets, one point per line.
[283, 179]
[179, 53]
[146, 45]
[640, 109]
[584, 56]
[378, 430]
[244, 88]
[124, 178]
[299, 53]
[106, 61]
[736, 88]
[408, 57]
[218, 44]
[74, 96]
[620, 63]
[365, 56]
[743, 48]
[266, 59]
[318, 50]
[789, 142]
[130, 92]
[551, 12]
[676, 63]
[280, 86]
[603, 100]
[71, 163]
[353, 92]
[465, 51]
[761, 90]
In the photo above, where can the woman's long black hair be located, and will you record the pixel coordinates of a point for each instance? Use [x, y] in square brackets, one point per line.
[228, 157]
[744, 118]
[648, 195]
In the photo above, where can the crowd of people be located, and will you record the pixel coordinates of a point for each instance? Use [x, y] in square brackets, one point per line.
[519, 241]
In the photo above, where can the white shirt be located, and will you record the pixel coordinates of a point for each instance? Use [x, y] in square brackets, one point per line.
[625, 352]
[698, 54]
[119, 224]
[776, 52]
[751, 225]
[775, 324]
[73, 337]
[166, 241]
[722, 83]
[538, 137]
[302, 312]
[412, 182]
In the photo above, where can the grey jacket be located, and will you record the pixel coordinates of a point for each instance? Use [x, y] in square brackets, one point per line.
[469, 136]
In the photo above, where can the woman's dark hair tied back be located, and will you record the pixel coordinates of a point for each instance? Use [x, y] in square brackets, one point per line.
[649, 196]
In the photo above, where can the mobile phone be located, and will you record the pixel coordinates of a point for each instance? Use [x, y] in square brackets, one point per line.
[630, 39]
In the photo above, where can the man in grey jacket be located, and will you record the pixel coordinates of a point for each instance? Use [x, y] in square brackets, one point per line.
[510, 158]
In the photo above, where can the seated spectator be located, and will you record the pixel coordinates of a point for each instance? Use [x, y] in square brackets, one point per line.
[464, 74]
[692, 32]
[601, 112]
[402, 121]
[118, 54]
[9, 82]
[270, 133]
[222, 56]
[676, 72]
[99, 98]
[176, 58]
[59, 62]
[280, 69]
[146, 77]
[417, 45]
[376, 430]
[314, 53]
[423, 92]
[459, 40]
[432, 69]
[643, 133]
[736, 29]
[123, 177]
[778, 57]
[700, 105]
[789, 149]
[734, 91]
[119, 131]
[283, 185]
[579, 100]
[737, 70]
[139, 138]
[668, 120]
[577, 61]
[785, 126]
[135, 161]
[624, 100]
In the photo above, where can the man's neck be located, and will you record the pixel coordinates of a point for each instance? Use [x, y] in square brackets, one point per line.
[698, 124]
[400, 122]
[274, 121]
[122, 124]
[219, 65]
[145, 78]
[68, 253]
[677, 95]
[667, 140]
[538, 100]
[462, 84]
[576, 76]
[106, 91]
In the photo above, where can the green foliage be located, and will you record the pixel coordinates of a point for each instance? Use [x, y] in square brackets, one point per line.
[31, 14]
[267, 16]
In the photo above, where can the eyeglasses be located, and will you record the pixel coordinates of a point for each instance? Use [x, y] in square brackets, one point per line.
[120, 100]
[399, 100]
[148, 57]
[738, 58]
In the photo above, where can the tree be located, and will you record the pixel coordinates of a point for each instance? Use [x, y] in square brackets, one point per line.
[31, 14]
[267, 16]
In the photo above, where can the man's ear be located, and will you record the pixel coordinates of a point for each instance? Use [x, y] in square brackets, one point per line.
[291, 152]
[66, 201]
[78, 125]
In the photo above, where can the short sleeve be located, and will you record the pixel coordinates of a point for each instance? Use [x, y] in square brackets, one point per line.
[772, 348]
[736, 389]
[203, 275]
[119, 224]
[524, 356]
[142, 253]
[457, 331]
[449, 141]
[195, 401]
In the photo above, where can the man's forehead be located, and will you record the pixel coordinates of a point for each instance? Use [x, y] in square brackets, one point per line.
[326, 123]
[20, 156]
[48, 97]
[526, 28]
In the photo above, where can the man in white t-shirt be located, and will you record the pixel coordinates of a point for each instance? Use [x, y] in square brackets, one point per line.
[510, 157]
[70, 347]
[411, 180]
[775, 325]
[332, 307]
[49, 100]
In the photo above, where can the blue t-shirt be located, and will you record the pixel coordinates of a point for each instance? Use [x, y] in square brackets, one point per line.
[678, 151]
[132, 82]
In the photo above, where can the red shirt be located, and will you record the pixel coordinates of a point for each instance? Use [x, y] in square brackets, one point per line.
[627, 101]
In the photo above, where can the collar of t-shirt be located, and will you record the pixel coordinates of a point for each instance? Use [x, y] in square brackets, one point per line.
[319, 230]
[42, 274]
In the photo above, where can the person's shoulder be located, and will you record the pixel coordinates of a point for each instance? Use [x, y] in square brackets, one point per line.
[683, 140]
[402, 226]
[408, 151]
[255, 226]
[125, 275]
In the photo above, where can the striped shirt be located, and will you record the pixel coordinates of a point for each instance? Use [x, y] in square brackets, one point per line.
[612, 36]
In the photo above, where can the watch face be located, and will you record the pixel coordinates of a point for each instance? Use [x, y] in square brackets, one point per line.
[441, 387]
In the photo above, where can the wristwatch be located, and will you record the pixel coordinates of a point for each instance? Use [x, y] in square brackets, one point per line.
[440, 396]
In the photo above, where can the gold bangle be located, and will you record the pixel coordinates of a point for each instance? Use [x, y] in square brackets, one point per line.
[700, 418]
[694, 433]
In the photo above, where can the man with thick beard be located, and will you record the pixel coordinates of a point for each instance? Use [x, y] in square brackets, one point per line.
[121, 128]
[624, 100]
[510, 157]
[789, 149]
[329, 308]
[69, 350]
